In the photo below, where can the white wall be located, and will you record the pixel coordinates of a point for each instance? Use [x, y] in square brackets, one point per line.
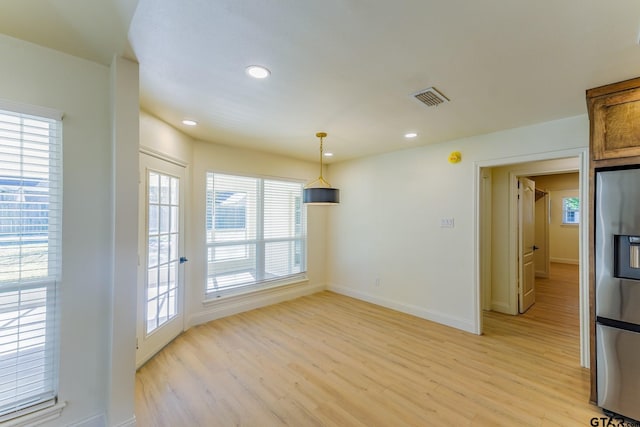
[35, 75]
[200, 156]
[563, 239]
[387, 225]
[159, 137]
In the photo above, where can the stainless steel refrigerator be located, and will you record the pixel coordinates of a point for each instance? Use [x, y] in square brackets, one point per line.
[617, 273]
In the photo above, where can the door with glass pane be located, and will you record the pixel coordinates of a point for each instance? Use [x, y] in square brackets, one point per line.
[161, 258]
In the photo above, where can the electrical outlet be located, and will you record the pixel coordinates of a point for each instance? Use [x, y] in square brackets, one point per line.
[447, 223]
[376, 283]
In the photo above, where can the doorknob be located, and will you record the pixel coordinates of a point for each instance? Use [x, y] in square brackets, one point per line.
[535, 248]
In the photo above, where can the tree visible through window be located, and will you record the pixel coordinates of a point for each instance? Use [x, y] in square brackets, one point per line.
[571, 210]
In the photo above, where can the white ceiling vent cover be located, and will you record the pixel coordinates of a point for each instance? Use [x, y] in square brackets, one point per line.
[431, 97]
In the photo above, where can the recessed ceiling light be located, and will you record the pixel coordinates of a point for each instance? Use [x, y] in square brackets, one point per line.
[258, 71]
[327, 154]
[189, 122]
[410, 135]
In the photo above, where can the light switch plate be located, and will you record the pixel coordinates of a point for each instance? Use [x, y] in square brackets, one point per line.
[447, 223]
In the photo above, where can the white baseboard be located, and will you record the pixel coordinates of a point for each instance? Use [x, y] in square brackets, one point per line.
[414, 310]
[235, 304]
[131, 422]
[565, 261]
[99, 420]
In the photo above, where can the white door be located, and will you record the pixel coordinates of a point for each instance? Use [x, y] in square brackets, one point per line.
[161, 255]
[526, 236]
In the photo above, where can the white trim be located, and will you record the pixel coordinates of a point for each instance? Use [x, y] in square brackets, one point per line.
[214, 297]
[583, 256]
[36, 418]
[431, 315]
[234, 304]
[131, 422]
[477, 250]
[32, 110]
[160, 155]
[565, 261]
[99, 420]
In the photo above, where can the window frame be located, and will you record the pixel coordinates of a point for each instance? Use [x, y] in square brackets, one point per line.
[574, 212]
[32, 146]
[256, 244]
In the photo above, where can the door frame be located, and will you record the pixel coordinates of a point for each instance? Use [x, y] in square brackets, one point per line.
[482, 276]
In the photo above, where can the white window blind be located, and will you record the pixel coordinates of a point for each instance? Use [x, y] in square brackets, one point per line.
[30, 233]
[256, 232]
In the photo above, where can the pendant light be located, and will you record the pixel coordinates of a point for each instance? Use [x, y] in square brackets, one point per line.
[319, 192]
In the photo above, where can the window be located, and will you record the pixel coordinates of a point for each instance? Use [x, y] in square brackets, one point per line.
[571, 210]
[30, 232]
[256, 232]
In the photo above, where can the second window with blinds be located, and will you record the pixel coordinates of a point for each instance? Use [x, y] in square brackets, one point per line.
[256, 233]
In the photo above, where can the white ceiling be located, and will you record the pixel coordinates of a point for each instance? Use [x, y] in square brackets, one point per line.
[347, 67]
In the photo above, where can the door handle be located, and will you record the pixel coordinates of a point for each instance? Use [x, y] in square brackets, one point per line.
[535, 248]
[183, 259]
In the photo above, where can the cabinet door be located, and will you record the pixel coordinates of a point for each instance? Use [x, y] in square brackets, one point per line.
[616, 125]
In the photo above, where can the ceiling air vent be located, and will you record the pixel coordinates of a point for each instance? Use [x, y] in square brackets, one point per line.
[431, 97]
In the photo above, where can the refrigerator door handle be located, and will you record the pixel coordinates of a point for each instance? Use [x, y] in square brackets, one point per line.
[618, 324]
[634, 255]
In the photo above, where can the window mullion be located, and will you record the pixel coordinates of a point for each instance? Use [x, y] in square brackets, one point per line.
[260, 245]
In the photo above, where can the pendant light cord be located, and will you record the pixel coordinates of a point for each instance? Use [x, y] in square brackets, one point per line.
[321, 178]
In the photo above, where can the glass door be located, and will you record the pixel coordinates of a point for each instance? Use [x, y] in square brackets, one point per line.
[161, 260]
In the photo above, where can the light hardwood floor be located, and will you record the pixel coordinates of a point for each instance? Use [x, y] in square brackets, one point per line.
[330, 360]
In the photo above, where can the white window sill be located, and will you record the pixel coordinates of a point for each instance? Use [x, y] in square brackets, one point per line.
[35, 418]
[240, 294]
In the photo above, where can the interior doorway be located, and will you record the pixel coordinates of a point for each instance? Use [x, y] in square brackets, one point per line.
[498, 261]
[551, 234]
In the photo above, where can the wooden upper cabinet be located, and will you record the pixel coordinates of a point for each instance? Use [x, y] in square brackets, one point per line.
[614, 113]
